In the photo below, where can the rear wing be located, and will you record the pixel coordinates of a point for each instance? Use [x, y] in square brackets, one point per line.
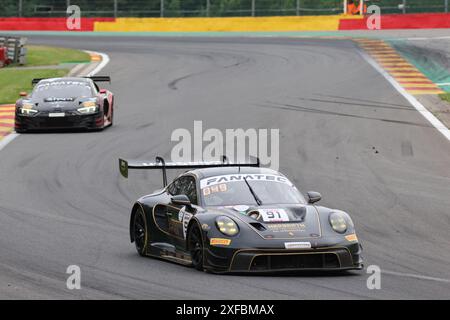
[100, 78]
[125, 165]
[94, 78]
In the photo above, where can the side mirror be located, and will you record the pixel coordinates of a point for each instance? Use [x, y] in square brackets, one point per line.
[23, 94]
[313, 197]
[181, 199]
[103, 91]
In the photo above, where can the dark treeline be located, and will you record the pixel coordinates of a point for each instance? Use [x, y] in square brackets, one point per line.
[176, 8]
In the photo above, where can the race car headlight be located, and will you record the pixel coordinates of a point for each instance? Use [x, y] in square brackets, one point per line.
[338, 222]
[227, 226]
[27, 109]
[88, 107]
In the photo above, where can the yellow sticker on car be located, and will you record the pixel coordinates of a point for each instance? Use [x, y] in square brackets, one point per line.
[220, 241]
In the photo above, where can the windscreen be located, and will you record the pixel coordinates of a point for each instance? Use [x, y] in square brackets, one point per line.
[242, 188]
[62, 89]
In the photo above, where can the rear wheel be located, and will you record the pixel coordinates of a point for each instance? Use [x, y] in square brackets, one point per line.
[112, 113]
[140, 232]
[195, 246]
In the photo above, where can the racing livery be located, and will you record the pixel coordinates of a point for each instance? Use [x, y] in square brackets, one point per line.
[226, 218]
[65, 103]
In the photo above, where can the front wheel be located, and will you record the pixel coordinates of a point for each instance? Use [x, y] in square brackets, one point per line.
[140, 232]
[195, 246]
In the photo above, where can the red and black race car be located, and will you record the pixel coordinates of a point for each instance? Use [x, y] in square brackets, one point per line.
[65, 103]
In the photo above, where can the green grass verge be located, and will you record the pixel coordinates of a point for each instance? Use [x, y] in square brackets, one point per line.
[445, 96]
[46, 56]
[13, 81]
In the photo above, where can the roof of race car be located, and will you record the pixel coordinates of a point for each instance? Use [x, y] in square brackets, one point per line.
[211, 172]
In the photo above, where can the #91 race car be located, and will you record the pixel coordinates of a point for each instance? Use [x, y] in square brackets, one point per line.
[234, 218]
[65, 103]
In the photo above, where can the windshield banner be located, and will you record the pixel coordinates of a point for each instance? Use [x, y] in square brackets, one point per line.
[211, 181]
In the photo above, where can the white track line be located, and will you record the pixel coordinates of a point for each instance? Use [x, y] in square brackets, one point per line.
[415, 276]
[412, 100]
[10, 137]
[424, 38]
[102, 64]
[105, 60]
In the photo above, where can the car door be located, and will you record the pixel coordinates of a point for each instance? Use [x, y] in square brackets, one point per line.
[180, 215]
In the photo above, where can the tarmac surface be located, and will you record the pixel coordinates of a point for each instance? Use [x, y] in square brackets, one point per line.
[344, 131]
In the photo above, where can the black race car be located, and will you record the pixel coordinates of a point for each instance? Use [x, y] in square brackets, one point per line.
[65, 103]
[226, 218]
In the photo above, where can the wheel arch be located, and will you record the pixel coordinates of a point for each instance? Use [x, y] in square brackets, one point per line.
[106, 106]
[193, 221]
[136, 206]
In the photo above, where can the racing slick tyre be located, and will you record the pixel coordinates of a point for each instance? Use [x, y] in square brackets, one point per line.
[112, 118]
[195, 246]
[140, 232]
[112, 115]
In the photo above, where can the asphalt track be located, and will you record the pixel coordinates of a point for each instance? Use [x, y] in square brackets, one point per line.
[345, 132]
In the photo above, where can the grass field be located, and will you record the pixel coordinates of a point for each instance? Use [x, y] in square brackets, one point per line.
[13, 81]
[445, 96]
[47, 56]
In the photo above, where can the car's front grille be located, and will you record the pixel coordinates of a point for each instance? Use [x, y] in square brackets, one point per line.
[269, 262]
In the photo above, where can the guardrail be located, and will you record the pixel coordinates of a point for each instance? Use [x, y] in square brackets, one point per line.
[16, 50]
[208, 8]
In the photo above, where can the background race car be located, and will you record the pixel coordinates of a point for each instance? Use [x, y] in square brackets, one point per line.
[65, 103]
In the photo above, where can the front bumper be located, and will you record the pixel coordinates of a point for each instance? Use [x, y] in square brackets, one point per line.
[283, 260]
[44, 122]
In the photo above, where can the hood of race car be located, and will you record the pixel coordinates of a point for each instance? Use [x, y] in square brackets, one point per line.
[57, 104]
[279, 222]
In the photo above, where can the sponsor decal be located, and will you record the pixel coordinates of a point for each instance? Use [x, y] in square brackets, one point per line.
[207, 182]
[286, 227]
[214, 189]
[351, 237]
[184, 217]
[57, 115]
[219, 241]
[297, 245]
[57, 83]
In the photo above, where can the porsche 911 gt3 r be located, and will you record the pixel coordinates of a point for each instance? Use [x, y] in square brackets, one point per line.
[224, 218]
[65, 103]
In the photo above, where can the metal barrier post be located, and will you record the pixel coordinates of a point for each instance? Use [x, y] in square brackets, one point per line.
[208, 6]
[253, 8]
[446, 6]
[404, 6]
[115, 8]
[20, 9]
[162, 8]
